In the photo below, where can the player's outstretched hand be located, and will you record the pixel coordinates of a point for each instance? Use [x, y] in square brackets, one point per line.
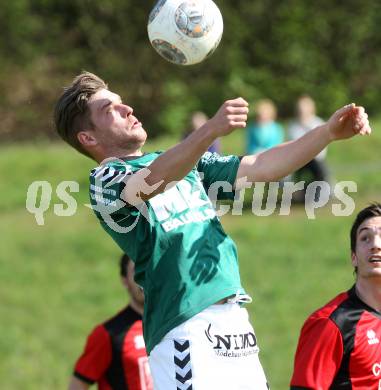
[231, 115]
[348, 121]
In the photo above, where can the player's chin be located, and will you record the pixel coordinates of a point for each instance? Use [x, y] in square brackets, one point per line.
[140, 135]
[375, 273]
[137, 131]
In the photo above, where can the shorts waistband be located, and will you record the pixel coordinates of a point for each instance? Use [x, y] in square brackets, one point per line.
[235, 298]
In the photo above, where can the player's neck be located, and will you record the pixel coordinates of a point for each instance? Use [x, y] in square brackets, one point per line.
[136, 306]
[117, 152]
[369, 291]
[120, 153]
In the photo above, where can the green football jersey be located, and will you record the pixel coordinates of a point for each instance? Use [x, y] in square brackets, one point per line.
[184, 260]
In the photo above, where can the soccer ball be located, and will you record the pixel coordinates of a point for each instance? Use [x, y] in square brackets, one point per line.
[185, 32]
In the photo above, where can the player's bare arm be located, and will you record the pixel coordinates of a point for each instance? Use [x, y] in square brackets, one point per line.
[284, 159]
[175, 163]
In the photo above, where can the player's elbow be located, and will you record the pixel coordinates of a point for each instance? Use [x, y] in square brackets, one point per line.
[141, 187]
[264, 171]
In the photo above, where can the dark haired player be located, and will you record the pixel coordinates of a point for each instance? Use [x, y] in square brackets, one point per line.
[339, 346]
[115, 356]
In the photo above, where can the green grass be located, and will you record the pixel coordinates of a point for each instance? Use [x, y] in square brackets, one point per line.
[60, 279]
[290, 266]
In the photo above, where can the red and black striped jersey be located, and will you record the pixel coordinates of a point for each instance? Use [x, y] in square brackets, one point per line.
[115, 355]
[339, 347]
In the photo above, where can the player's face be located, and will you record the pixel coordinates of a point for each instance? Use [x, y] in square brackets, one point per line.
[305, 108]
[114, 121]
[367, 257]
[135, 291]
[265, 113]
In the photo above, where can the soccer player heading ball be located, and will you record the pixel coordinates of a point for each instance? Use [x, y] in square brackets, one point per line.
[197, 335]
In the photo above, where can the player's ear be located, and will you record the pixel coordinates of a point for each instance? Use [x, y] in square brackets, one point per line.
[354, 259]
[86, 138]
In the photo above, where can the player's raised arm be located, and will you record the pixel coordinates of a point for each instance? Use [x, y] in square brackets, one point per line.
[285, 158]
[176, 162]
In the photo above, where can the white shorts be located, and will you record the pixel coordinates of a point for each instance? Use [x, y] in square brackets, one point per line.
[216, 349]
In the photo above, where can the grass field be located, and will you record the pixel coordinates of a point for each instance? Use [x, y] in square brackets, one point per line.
[60, 279]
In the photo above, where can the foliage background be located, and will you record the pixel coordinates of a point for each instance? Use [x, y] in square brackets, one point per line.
[270, 48]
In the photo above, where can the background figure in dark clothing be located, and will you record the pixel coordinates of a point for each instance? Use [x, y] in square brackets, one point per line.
[305, 120]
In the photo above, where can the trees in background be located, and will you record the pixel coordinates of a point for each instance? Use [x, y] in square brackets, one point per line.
[270, 48]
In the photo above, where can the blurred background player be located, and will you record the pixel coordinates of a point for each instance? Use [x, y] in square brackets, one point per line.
[198, 119]
[115, 356]
[306, 120]
[264, 132]
[339, 345]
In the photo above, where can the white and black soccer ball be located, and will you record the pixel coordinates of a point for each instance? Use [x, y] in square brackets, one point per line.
[185, 32]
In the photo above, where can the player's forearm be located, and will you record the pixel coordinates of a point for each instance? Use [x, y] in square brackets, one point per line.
[176, 162]
[280, 161]
[169, 167]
